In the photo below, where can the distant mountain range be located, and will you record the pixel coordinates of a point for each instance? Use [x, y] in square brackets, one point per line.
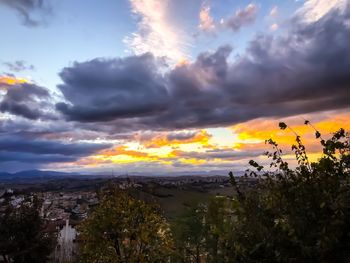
[34, 174]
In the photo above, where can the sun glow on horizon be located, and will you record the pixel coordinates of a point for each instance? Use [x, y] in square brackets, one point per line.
[211, 145]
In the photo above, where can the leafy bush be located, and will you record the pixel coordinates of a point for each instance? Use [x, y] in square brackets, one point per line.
[296, 215]
[290, 215]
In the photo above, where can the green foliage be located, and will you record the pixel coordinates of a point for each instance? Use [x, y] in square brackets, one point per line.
[124, 229]
[297, 215]
[204, 231]
[22, 233]
[291, 215]
[189, 234]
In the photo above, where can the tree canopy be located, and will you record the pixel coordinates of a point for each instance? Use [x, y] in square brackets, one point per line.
[124, 229]
[23, 237]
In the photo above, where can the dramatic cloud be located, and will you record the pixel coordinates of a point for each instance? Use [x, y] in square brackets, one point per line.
[252, 134]
[29, 10]
[313, 10]
[19, 65]
[34, 158]
[103, 90]
[173, 138]
[155, 33]
[15, 143]
[278, 76]
[159, 110]
[8, 80]
[21, 100]
[21, 148]
[26, 99]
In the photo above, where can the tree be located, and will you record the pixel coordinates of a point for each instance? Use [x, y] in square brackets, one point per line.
[189, 233]
[218, 226]
[300, 214]
[290, 215]
[203, 232]
[124, 229]
[23, 238]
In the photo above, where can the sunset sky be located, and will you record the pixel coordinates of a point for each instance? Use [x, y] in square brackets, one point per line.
[161, 87]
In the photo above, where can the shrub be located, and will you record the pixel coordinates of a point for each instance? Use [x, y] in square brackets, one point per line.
[296, 215]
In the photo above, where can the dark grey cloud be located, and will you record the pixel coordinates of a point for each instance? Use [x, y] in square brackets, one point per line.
[18, 65]
[106, 89]
[26, 100]
[306, 70]
[21, 157]
[21, 148]
[181, 136]
[32, 12]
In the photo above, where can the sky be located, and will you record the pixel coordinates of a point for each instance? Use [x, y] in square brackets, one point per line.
[160, 87]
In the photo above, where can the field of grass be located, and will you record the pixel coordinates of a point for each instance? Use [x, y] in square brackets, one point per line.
[173, 201]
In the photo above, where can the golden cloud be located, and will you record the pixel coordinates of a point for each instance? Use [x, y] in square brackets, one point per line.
[174, 139]
[252, 134]
[9, 80]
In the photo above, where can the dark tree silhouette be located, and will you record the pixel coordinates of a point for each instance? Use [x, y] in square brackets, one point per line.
[23, 238]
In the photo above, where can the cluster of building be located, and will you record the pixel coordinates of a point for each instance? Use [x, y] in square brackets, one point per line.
[62, 211]
[62, 206]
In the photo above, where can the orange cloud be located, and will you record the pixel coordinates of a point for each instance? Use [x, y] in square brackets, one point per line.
[175, 139]
[182, 62]
[123, 150]
[190, 148]
[9, 81]
[252, 134]
[122, 154]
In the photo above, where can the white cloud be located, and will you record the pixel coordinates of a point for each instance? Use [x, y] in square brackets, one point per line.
[206, 21]
[240, 18]
[155, 33]
[274, 11]
[313, 10]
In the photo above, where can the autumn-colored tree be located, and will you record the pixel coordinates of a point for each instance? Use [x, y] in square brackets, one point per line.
[124, 229]
[23, 238]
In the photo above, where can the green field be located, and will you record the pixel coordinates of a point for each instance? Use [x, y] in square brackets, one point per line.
[173, 201]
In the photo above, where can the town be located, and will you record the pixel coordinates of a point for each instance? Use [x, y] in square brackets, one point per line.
[64, 209]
